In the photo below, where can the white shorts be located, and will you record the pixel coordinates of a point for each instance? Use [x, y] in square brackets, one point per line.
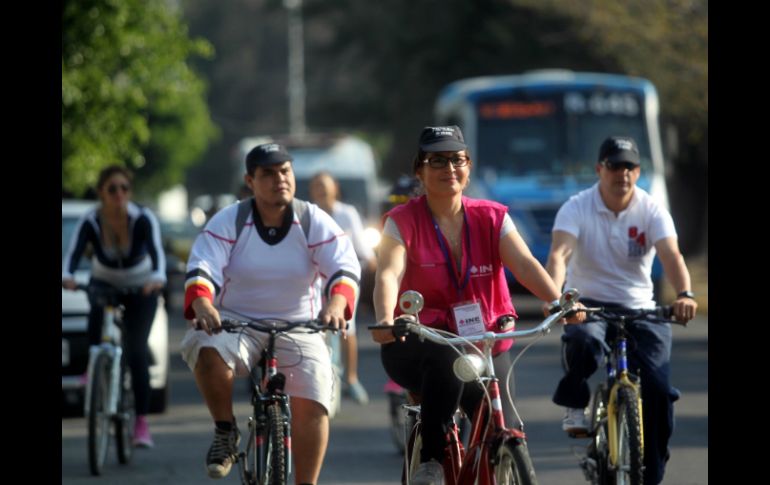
[302, 357]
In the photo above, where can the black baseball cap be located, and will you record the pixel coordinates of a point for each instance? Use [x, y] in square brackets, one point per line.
[267, 154]
[619, 149]
[442, 139]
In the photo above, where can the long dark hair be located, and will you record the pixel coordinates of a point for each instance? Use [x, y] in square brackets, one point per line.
[108, 172]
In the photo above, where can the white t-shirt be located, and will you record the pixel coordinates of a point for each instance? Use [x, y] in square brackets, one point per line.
[253, 279]
[613, 258]
[348, 219]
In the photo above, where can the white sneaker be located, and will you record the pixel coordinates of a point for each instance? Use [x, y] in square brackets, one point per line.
[574, 421]
[428, 473]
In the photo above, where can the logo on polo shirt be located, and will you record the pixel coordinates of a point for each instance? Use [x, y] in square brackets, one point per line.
[637, 242]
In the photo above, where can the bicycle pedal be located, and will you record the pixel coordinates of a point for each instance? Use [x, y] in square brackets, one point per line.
[588, 465]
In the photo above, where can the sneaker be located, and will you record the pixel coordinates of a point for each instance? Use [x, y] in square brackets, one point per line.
[428, 473]
[223, 452]
[356, 392]
[574, 421]
[142, 438]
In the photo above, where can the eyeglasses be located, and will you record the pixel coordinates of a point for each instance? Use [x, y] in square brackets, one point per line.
[438, 161]
[615, 166]
[112, 189]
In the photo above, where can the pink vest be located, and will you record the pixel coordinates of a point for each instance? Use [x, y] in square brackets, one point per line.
[426, 268]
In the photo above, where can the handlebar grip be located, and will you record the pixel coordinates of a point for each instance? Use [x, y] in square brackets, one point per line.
[399, 327]
[666, 312]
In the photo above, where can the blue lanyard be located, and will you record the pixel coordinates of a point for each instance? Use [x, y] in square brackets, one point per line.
[448, 259]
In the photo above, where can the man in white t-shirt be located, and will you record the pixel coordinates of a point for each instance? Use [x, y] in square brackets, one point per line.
[269, 264]
[324, 191]
[604, 241]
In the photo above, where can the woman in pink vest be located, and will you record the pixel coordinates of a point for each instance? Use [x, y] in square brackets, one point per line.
[453, 250]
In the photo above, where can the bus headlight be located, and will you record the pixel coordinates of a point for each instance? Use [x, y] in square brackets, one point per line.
[468, 367]
[372, 237]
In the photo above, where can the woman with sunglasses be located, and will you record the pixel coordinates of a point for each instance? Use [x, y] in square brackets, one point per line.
[127, 253]
[453, 250]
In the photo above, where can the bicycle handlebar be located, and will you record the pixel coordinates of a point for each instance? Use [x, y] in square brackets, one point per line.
[268, 325]
[614, 314]
[108, 289]
[404, 324]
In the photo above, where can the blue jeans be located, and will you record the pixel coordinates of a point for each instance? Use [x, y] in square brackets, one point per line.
[649, 356]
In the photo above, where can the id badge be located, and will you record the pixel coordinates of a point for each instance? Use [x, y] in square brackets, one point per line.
[468, 319]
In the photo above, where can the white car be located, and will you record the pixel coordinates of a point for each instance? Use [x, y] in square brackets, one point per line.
[74, 323]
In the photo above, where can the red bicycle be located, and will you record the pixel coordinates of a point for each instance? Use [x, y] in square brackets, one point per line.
[495, 454]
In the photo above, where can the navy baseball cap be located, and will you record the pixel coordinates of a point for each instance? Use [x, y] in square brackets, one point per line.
[619, 149]
[442, 139]
[267, 154]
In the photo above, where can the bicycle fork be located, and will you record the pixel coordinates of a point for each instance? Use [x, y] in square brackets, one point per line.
[623, 380]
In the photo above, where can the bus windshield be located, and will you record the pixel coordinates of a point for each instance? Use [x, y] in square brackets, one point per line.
[555, 133]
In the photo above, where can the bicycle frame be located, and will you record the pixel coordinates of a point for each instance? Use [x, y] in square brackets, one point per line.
[263, 395]
[488, 429]
[604, 450]
[267, 392]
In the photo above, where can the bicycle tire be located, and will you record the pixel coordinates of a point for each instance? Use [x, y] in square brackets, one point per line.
[629, 469]
[98, 420]
[277, 472]
[598, 450]
[513, 465]
[126, 418]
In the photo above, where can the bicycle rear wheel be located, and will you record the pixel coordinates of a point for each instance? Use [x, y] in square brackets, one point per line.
[98, 417]
[513, 465]
[412, 452]
[126, 418]
[277, 455]
[629, 469]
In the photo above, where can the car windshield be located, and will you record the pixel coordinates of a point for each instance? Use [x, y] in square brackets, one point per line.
[68, 225]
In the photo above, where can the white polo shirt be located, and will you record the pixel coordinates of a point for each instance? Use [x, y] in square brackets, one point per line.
[613, 258]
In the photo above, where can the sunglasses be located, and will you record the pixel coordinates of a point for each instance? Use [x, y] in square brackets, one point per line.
[113, 188]
[441, 162]
[615, 166]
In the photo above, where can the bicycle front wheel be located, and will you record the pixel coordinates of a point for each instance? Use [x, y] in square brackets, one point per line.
[513, 465]
[126, 418]
[629, 467]
[277, 472]
[98, 417]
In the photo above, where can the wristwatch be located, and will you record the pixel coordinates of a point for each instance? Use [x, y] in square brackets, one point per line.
[686, 294]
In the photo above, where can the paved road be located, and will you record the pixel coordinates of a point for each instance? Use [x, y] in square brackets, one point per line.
[360, 450]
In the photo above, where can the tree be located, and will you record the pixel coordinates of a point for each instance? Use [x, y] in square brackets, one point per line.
[128, 93]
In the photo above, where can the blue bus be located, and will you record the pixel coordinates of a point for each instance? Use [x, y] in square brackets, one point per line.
[534, 139]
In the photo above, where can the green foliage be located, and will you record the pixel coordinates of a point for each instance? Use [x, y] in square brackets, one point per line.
[128, 94]
[665, 41]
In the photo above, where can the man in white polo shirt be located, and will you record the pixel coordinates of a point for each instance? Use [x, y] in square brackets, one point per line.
[604, 241]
